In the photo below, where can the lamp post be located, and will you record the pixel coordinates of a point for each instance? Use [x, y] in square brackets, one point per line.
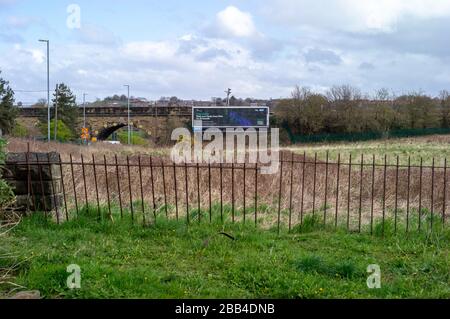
[84, 110]
[48, 88]
[55, 124]
[128, 102]
[84, 115]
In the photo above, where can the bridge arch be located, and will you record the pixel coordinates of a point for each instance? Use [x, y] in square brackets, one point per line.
[107, 131]
[109, 128]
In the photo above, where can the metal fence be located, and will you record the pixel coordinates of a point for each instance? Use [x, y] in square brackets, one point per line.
[360, 195]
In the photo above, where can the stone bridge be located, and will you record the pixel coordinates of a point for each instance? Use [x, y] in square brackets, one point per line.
[158, 122]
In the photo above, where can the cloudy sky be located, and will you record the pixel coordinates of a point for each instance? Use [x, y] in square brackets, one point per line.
[196, 49]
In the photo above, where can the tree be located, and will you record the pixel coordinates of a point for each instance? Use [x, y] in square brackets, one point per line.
[304, 113]
[64, 133]
[445, 108]
[417, 111]
[381, 114]
[234, 101]
[67, 106]
[6, 193]
[173, 101]
[8, 112]
[41, 103]
[345, 102]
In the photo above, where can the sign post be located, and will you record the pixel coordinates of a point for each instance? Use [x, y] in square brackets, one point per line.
[85, 134]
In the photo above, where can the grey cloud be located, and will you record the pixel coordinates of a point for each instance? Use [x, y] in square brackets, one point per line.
[366, 66]
[427, 37]
[190, 45]
[265, 48]
[211, 54]
[414, 36]
[322, 56]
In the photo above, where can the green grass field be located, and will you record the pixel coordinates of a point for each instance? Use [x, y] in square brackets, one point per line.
[171, 260]
[427, 148]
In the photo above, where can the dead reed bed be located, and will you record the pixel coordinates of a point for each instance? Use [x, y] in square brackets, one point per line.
[339, 192]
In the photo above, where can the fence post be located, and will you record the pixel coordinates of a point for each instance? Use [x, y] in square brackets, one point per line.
[326, 192]
[337, 190]
[445, 193]
[118, 186]
[279, 193]
[303, 188]
[290, 191]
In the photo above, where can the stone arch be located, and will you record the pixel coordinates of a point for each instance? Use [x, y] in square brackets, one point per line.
[106, 132]
[109, 128]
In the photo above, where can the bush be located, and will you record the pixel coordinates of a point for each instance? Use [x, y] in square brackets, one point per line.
[137, 138]
[19, 130]
[63, 133]
[6, 194]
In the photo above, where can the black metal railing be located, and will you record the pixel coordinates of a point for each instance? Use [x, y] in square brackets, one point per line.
[363, 195]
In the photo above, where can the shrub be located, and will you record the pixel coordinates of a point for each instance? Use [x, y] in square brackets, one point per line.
[63, 133]
[19, 130]
[136, 138]
[6, 194]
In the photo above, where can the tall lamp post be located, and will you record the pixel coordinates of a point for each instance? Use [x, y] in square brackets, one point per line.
[55, 125]
[129, 126]
[48, 88]
[84, 117]
[84, 110]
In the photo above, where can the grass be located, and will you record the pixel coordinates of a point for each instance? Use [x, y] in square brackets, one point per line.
[137, 137]
[428, 147]
[172, 260]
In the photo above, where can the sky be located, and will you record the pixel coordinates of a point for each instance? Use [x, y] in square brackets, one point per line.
[196, 49]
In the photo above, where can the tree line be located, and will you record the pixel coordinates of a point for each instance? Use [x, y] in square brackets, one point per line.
[67, 114]
[344, 109]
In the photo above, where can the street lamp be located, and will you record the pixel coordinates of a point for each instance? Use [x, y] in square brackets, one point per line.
[84, 110]
[129, 127]
[48, 88]
[84, 115]
[55, 118]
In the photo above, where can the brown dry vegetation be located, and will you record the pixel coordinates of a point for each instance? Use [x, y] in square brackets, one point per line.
[357, 200]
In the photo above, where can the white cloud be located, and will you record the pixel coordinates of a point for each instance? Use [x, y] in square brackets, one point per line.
[370, 44]
[149, 50]
[234, 22]
[354, 15]
[38, 56]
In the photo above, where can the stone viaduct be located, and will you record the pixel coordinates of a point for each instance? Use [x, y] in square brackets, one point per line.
[158, 122]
